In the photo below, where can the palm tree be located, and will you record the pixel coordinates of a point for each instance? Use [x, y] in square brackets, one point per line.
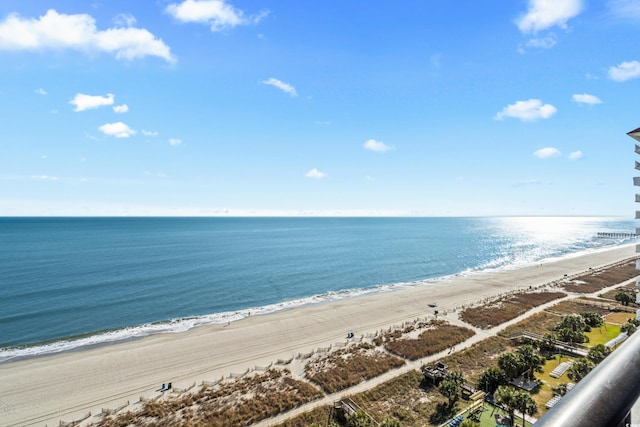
[598, 352]
[451, 386]
[506, 396]
[580, 369]
[625, 297]
[525, 404]
[575, 322]
[592, 319]
[359, 419]
[491, 378]
[530, 360]
[510, 364]
[571, 329]
[548, 342]
[455, 376]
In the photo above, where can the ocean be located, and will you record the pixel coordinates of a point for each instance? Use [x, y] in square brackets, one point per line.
[67, 283]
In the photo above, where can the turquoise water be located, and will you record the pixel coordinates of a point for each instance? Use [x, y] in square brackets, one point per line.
[69, 282]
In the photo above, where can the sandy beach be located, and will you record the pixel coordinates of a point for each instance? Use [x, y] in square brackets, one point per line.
[66, 386]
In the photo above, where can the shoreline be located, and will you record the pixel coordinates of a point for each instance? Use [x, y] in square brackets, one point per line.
[67, 385]
[125, 334]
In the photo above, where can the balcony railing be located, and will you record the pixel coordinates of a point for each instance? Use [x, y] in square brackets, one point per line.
[603, 398]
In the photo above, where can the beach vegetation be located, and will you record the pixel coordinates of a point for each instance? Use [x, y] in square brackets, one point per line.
[479, 357]
[526, 360]
[406, 398]
[560, 389]
[595, 281]
[631, 326]
[597, 353]
[580, 369]
[507, 308]
[625, 298]
[530, 360]
[359, 419]
[318, 417]
[492, 378]
[571, 329]
[438, 337]
[236, 403]
[512, 399]
[390, 422]
[451, 386]
[592, 319]
[579, 306]
[525, 404]
[509, 363]
[347, 367]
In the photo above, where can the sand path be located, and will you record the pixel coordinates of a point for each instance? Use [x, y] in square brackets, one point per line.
[67, 386]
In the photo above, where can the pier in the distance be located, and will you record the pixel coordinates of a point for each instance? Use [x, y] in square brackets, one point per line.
[617, 235]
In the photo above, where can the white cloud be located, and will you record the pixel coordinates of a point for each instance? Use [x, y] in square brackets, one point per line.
[121, 108]
[625, 9]
[88, 102]
[46, 178]
[40, 91]
[315, 173]
[374, 145]
[625, 71]
[545, 153]
[79, 32]
[175, 141]
[529, 110]
[125, 20]
[118, 129]
[542, 43]
[369, 178]
[586, 99]
[285, 87]
[149, 133]
[575, 155]
[543, 14]
[216, 13]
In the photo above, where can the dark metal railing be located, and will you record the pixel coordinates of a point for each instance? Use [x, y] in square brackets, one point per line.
[604, 397]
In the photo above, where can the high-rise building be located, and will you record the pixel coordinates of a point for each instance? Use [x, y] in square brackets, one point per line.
[635, 134]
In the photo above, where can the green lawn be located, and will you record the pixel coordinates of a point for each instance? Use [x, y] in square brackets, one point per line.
[602, 334]
[549, 366]
[487, 417]
[545, 392]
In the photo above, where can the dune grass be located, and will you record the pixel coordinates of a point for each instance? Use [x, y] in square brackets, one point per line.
[347, 367]
[238, 403]
[507, 308]
[429, 342]
[593, 282]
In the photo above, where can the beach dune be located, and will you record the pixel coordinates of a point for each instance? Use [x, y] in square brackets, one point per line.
[66, 386]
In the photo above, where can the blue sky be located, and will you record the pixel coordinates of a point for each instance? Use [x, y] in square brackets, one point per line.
[271, 107]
